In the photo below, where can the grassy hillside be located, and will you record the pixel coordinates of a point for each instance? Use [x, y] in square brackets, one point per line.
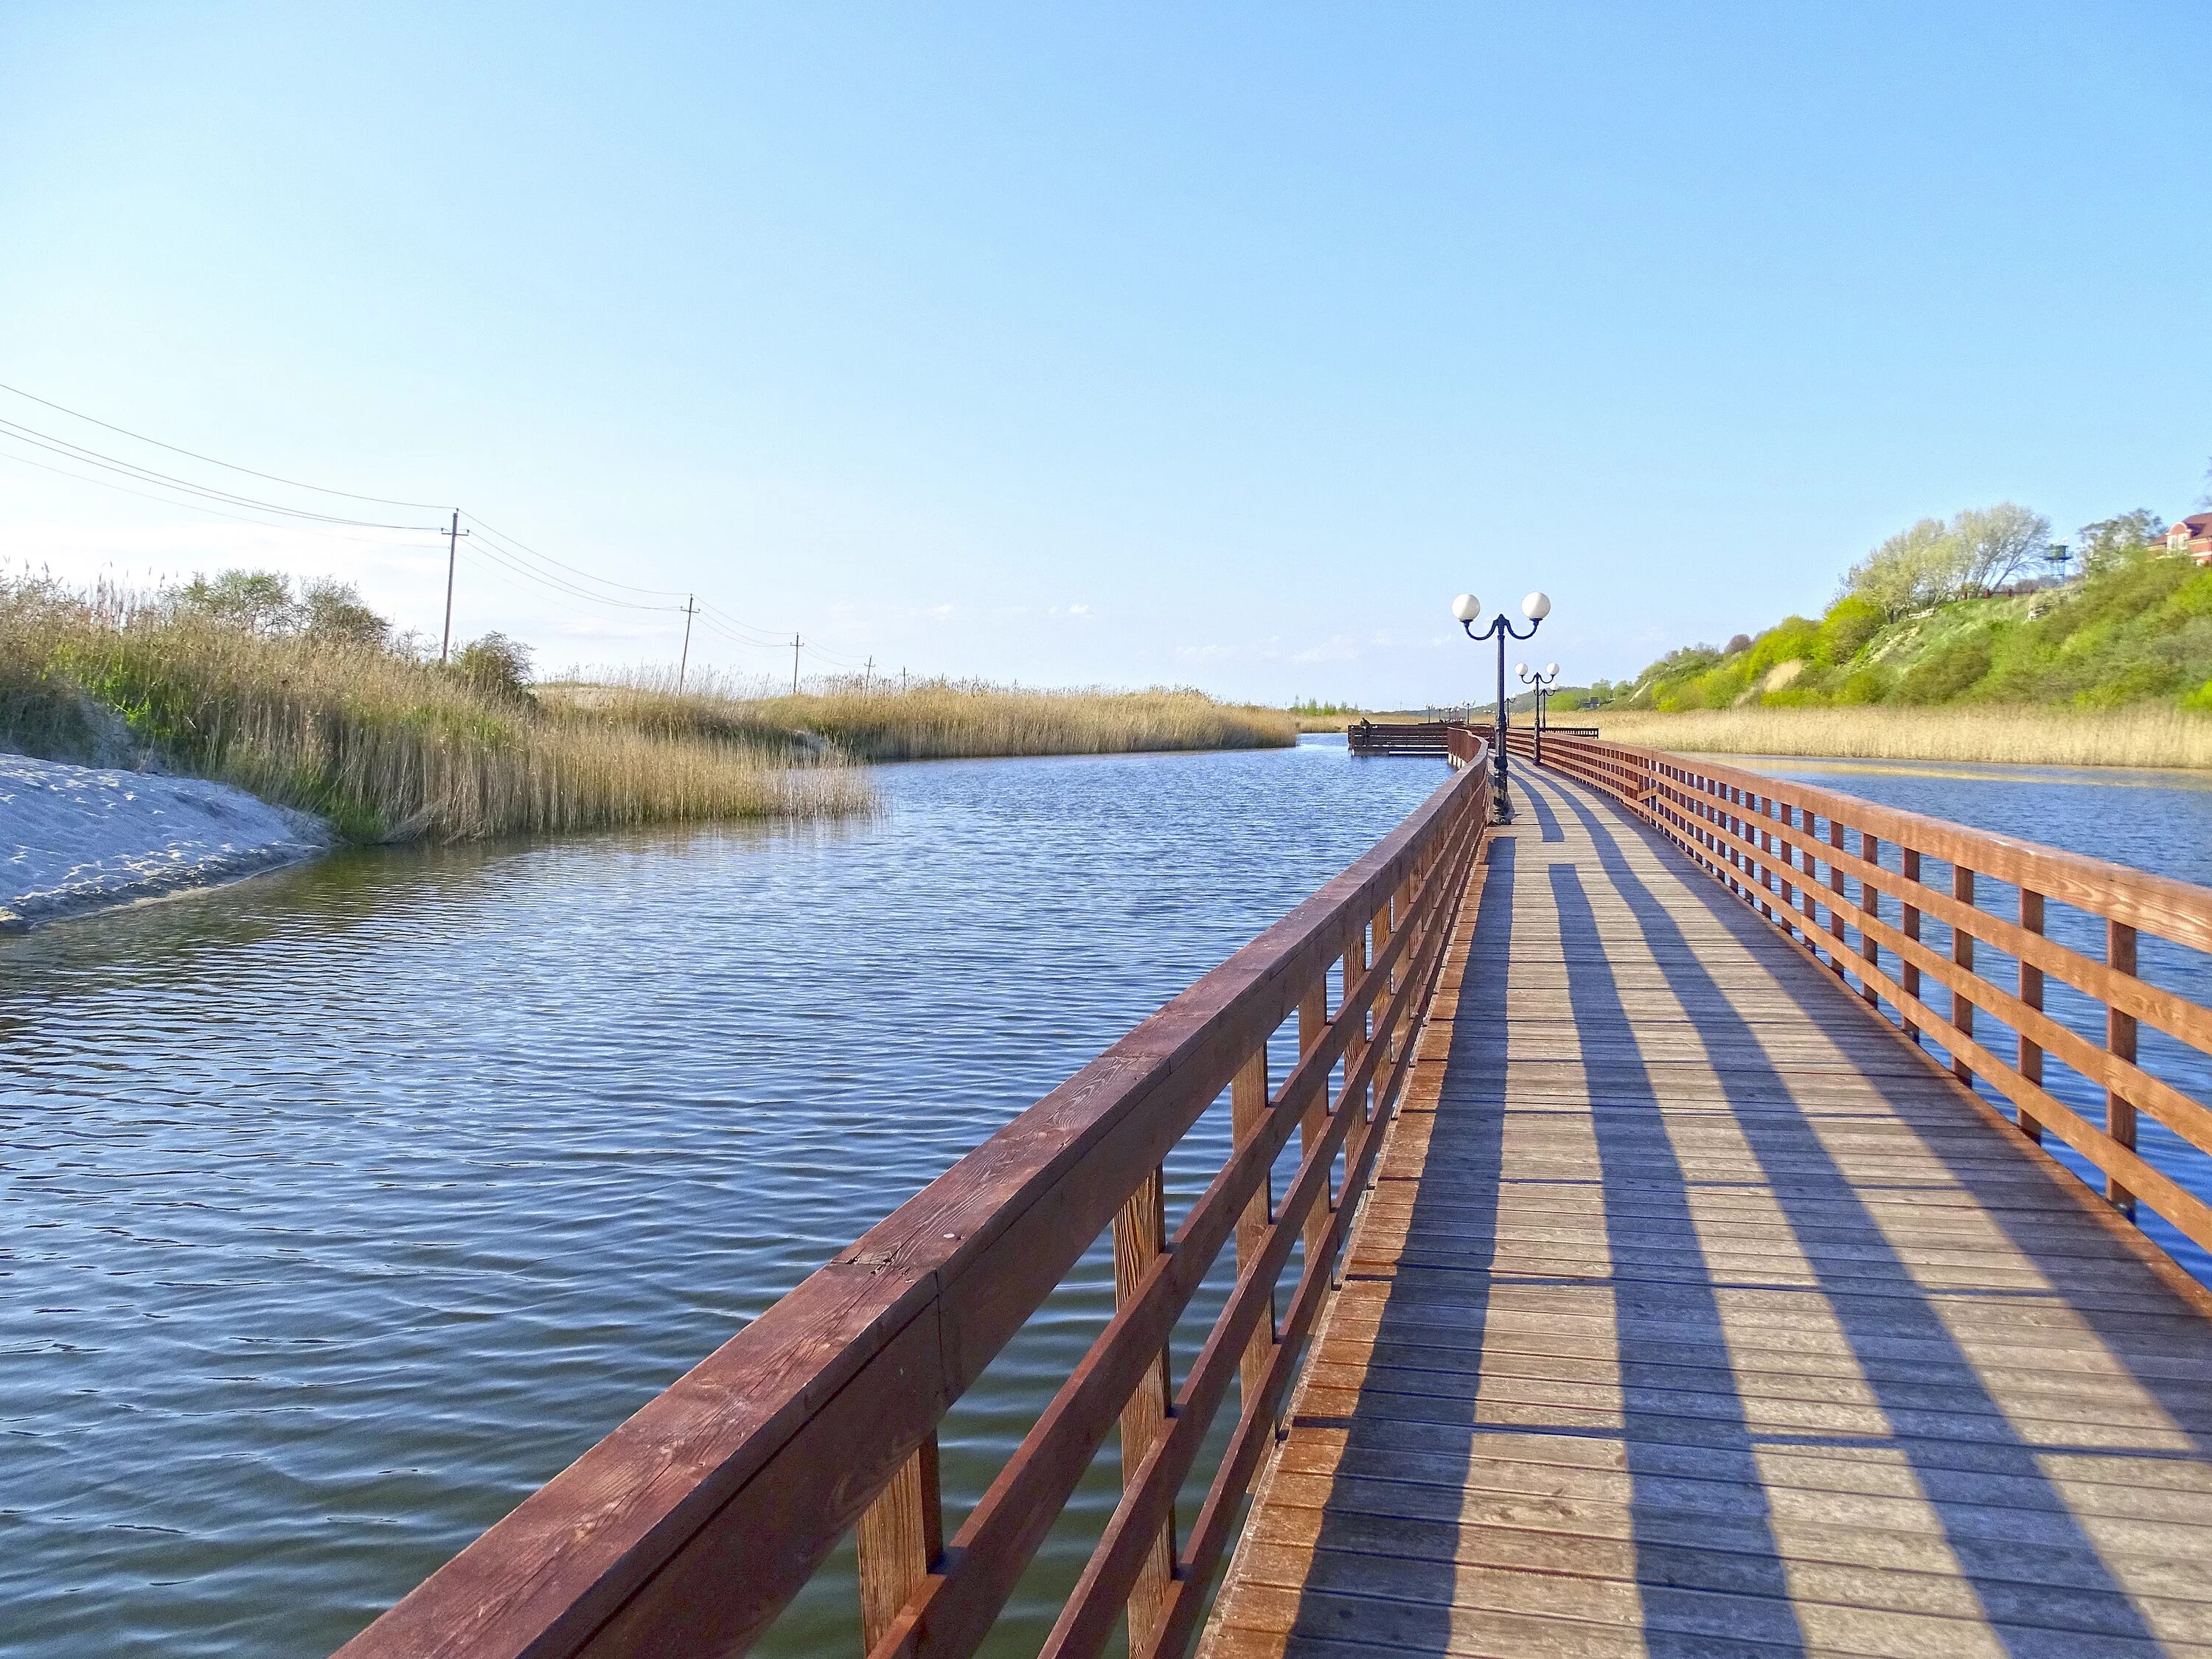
[2138, 630]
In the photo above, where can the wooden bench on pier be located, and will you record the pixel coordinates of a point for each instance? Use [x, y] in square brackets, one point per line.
[1636, 1238]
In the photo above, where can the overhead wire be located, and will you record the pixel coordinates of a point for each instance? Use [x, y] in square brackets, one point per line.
[61, 446]
[379, 500]
[496, 547]
[772, 636]
[197, 506]
[490, 553]
[521, 546]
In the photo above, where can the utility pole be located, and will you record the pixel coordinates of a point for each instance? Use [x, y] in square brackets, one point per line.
[690, 605]
[794, 665]
[868, 677]
[901, 682]
[453, 551]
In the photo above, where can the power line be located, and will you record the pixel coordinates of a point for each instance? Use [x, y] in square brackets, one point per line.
[78, 452]
[495, 546]
[380, 501]
[524, 548]
[171, 500]
[498, 556]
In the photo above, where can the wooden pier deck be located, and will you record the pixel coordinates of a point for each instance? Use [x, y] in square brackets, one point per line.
[1694, 1312]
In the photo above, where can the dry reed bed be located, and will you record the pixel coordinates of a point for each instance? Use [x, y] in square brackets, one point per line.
[940, 721]
[385, 747]
[2143, 736]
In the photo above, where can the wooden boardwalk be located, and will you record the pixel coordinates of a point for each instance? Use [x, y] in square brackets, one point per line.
[1695, 1313]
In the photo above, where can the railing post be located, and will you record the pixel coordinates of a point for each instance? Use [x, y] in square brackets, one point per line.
[1962, 953]
[1313, 1025]
[1908, 973]
[1402, 916]
[900, 1537]
[1869, 901]
[1806, 867]
[2030, 992]
[1766, 842]
[1836, 886]
[2120, 1043]
[1379, 934]
[1139, 1234]
[1248, 1106]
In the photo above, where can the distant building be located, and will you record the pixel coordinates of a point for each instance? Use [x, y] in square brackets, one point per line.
[2192, 536]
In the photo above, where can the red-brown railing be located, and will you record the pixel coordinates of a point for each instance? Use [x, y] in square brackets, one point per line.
[1794, 853]
[690, 1527]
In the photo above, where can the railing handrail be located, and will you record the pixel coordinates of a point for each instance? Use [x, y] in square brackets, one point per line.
[2176, 910]
[1758, 835]
[713, 1504]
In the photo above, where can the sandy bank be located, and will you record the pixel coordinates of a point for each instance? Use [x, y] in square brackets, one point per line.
[76, 838]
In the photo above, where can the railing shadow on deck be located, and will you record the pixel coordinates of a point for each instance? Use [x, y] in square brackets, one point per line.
[1686, 1439]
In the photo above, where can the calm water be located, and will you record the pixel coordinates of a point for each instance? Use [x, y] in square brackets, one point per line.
[344, 1207]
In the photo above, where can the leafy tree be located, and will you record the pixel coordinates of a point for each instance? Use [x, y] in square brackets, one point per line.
[259, 601]
[1933, 563]
[1898, 577]
[2110, 543]
[1736, 642]
[496, 664]
[1994, 544]
[333, 611]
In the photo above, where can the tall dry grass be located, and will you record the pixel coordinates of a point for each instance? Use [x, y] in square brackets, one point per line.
[385, 747]
[940, 720]
[2137, 735]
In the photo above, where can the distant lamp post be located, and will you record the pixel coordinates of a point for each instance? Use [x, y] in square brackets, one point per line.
[2056, 557]
[1543, 680]
[1467, 608]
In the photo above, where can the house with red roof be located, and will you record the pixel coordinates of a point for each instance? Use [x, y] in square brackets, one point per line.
[2192, 536]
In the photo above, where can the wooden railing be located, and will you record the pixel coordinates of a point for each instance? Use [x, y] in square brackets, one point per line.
[1399, 737]
[690, 1527]
[1796, 854]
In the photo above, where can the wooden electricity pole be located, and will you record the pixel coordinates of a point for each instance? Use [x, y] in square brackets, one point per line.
[690, 605]
[452, 548]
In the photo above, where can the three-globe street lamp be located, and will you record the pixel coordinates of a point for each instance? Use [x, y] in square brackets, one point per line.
[1467, 608]
[1543, 680]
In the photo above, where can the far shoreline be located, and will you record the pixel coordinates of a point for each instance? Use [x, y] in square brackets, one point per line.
[2141, 736]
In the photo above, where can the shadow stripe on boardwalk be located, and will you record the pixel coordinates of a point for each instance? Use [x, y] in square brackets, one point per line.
[1693, 1312]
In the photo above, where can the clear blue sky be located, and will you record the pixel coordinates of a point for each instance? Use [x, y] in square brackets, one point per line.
[1126, 344]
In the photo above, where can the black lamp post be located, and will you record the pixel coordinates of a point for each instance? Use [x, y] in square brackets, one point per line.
[1543, 680]
[1467, 608]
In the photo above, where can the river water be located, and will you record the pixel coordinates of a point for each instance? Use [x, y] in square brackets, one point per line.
[344, 1207]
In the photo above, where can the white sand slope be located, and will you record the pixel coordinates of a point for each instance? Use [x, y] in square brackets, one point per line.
[74, 838]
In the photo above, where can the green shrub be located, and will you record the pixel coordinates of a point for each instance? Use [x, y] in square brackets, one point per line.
[1865, 685]
[1947, 673]
[1786, 641]
[1845, 630]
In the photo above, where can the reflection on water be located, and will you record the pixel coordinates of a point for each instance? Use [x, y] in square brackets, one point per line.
[346, 1207]
[2156, 821]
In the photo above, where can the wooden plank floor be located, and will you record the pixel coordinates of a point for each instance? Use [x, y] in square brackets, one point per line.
[1694, 1313]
